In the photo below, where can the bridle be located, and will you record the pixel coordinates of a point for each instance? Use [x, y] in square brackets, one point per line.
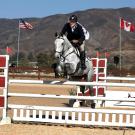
[63, 52]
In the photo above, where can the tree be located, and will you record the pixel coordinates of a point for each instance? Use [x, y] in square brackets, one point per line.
[42, 59]
[30, 57]
[45, 59]
[24, 62]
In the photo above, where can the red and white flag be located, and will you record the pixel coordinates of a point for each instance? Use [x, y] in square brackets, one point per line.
[126, 25]
[8, 50]
[25, 25]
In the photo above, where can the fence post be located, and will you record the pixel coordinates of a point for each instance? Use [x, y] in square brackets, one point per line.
[39, 70]
[4, 64]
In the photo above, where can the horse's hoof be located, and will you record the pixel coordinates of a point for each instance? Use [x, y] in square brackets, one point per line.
[71, 102]
[82, 103]
[76, 104]
[93, 105]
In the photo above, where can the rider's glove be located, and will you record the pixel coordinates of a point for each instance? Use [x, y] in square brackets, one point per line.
[79, 43]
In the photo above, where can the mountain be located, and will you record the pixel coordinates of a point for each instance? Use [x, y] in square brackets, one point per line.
[103, 25]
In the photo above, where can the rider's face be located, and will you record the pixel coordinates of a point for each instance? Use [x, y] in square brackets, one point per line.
[72, 24]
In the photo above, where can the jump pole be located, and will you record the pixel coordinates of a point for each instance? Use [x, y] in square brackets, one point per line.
[73, 83]
[118, 78]
[70, 97]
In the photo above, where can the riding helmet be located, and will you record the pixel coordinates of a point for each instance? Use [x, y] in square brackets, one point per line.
[73, 18]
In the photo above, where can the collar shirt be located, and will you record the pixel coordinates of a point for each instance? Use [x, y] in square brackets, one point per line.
[75, 33]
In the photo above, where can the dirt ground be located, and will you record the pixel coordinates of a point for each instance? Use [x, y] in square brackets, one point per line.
[44, 129]
[25, 129]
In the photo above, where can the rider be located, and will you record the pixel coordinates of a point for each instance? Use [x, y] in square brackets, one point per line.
[75, 35]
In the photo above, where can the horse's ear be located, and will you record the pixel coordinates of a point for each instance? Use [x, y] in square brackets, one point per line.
[61, 34]
[56, 34]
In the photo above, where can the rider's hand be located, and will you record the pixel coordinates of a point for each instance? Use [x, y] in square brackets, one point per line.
[79, 43]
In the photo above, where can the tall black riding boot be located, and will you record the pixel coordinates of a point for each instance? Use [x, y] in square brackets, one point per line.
[82, 57]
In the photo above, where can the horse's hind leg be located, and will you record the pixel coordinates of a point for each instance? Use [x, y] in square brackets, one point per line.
[82, 89]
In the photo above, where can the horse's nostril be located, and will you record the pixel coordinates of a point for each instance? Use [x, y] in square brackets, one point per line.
[57, 55]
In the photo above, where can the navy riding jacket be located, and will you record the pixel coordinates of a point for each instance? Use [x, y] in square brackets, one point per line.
[75, 33]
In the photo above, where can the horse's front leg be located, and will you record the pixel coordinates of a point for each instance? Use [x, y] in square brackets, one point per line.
[58, 70]
[65, 72]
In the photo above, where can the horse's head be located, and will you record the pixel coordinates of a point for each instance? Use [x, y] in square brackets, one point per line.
[65, 54]
[59, 44]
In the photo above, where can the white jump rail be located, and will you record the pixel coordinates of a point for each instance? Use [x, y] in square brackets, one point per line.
[99, 84]
[73, 83]
[70, 97]
[26, 81]
[78, 116]
[118, 78]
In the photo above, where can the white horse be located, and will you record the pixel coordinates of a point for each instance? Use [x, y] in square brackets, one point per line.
[69, 61]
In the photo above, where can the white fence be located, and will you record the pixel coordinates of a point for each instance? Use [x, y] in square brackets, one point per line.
[78, 116]
[68, 115]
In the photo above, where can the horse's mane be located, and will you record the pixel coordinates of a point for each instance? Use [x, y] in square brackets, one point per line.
[67, 41]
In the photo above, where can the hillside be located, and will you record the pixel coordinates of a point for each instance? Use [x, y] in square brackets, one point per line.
[103, 25]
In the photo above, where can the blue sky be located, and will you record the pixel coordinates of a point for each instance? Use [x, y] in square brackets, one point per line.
[41, 8]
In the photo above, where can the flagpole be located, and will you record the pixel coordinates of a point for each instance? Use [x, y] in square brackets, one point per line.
[120, 47]
[18, 47]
